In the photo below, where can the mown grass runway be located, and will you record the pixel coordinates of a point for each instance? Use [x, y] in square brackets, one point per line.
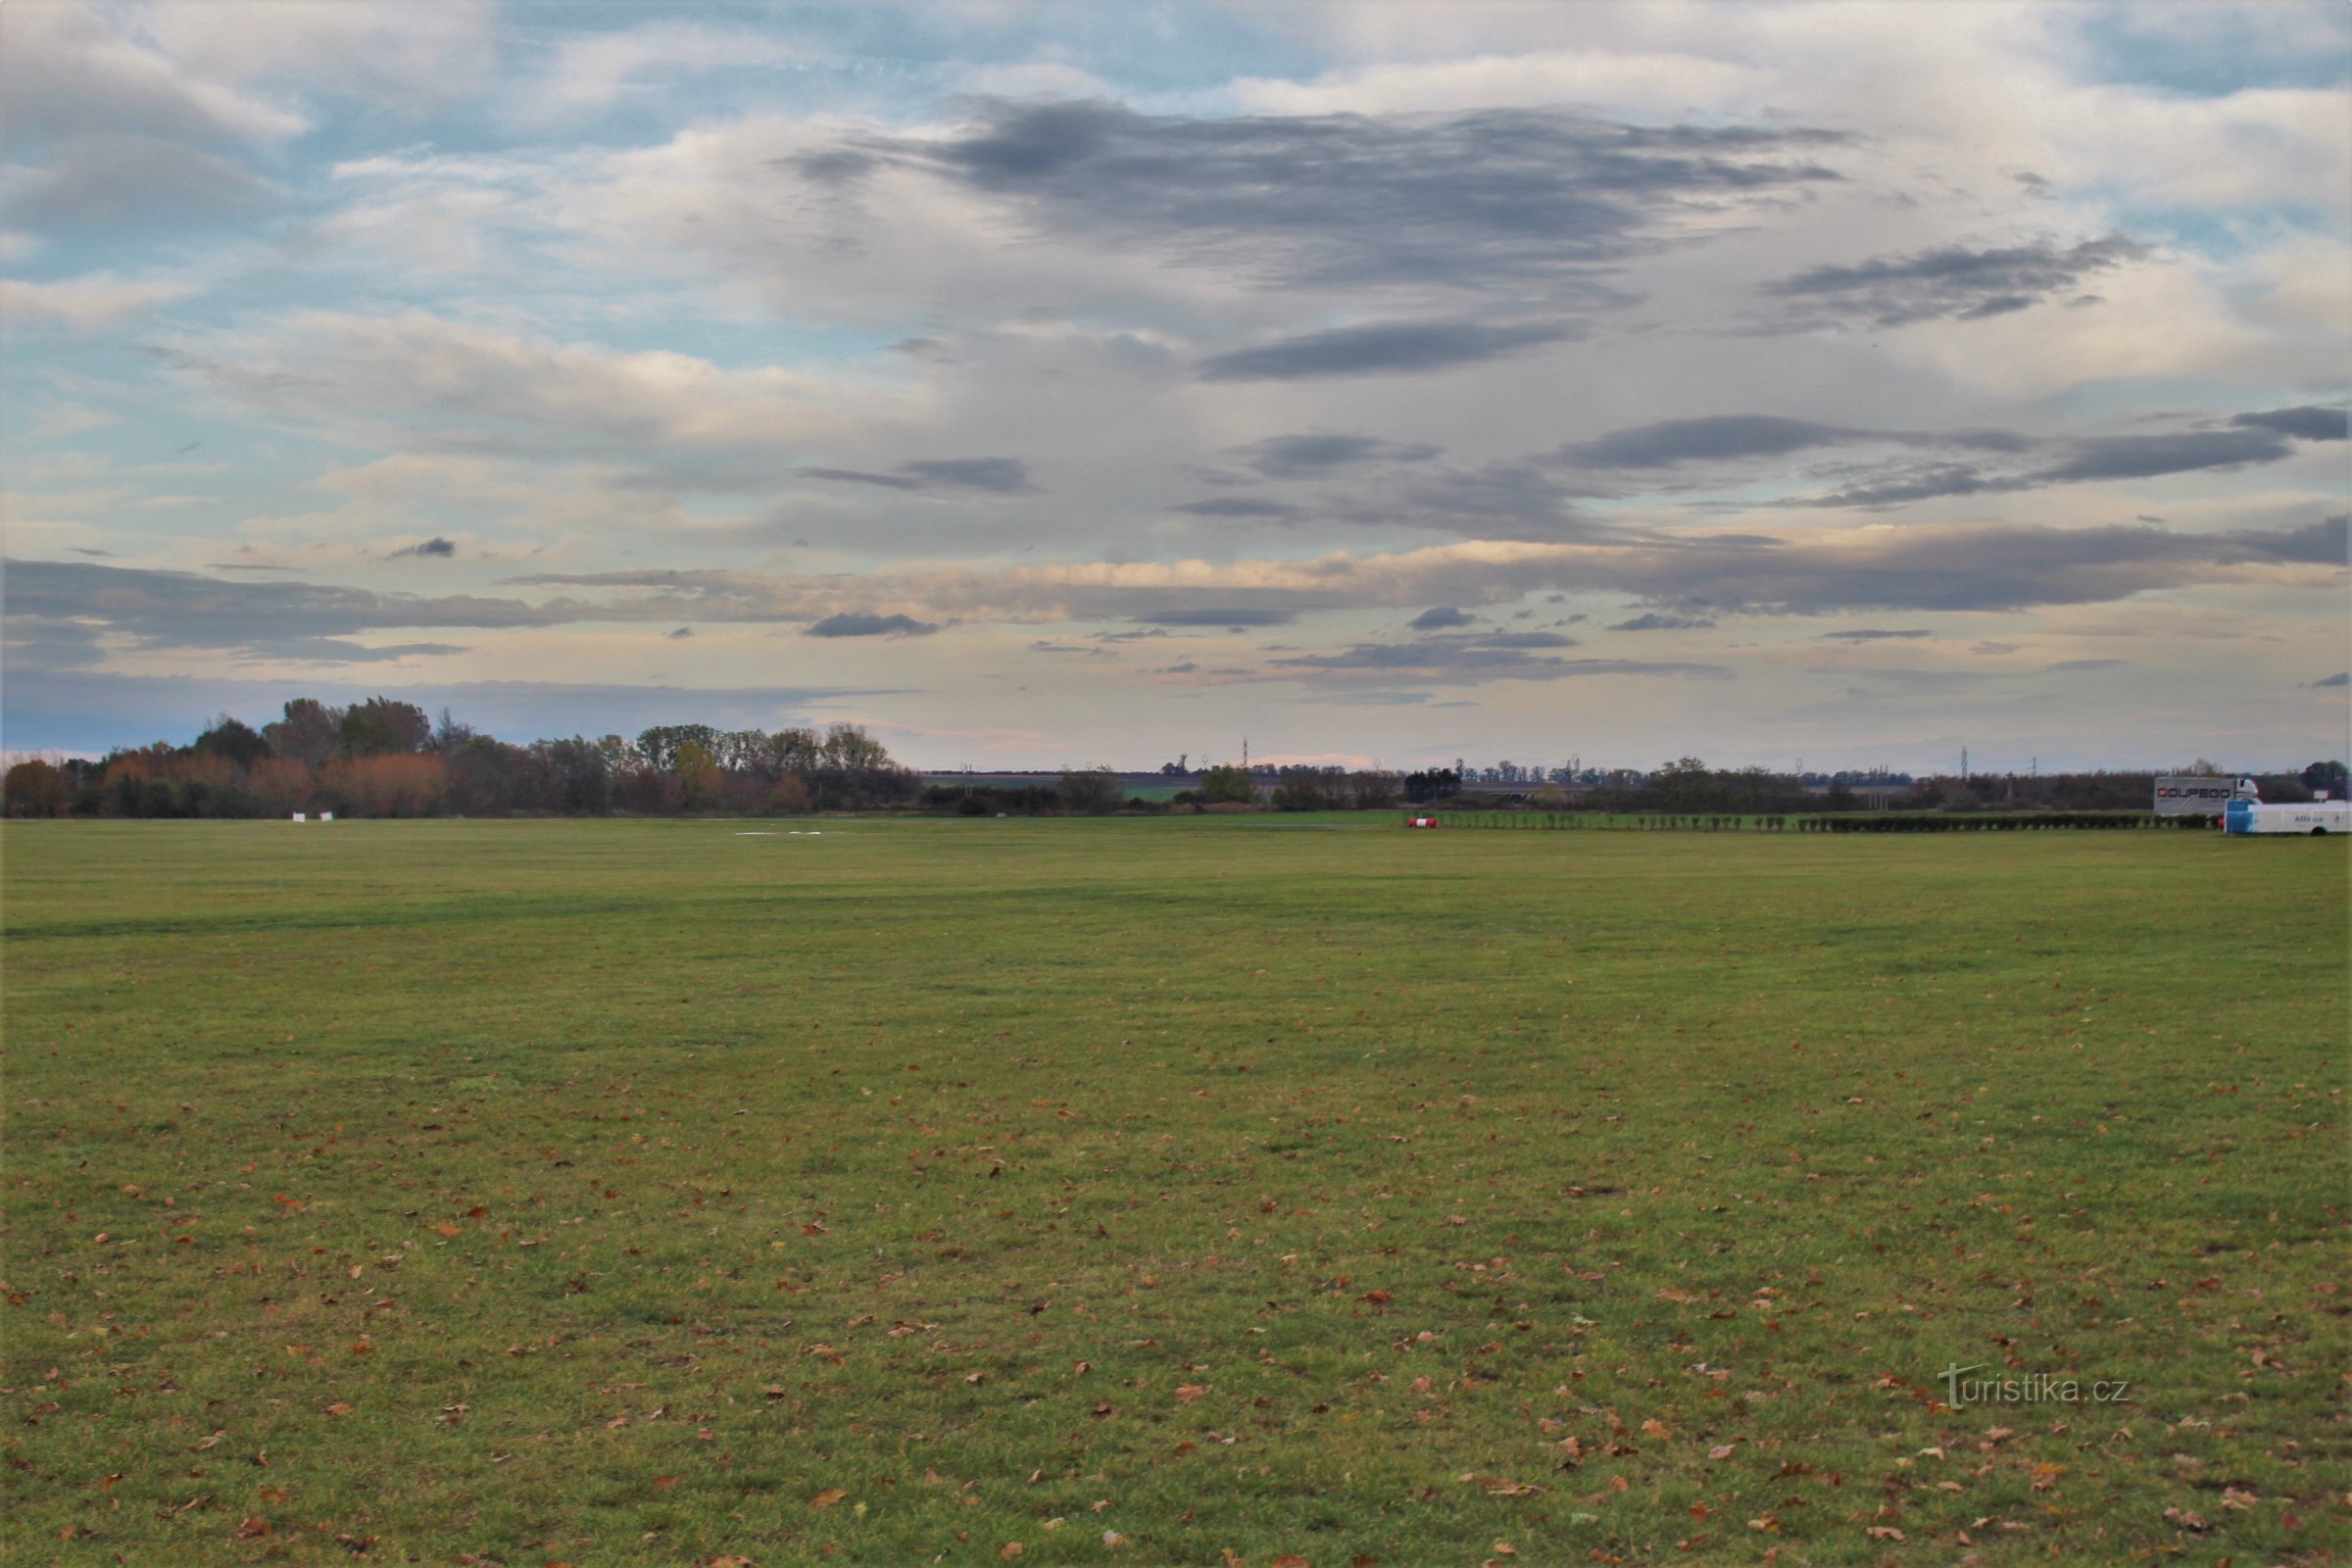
[1167, 1191]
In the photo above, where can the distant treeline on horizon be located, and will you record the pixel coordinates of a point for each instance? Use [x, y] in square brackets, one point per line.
[388, 759]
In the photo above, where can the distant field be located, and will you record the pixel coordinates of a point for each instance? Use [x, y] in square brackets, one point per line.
[1171, 1191]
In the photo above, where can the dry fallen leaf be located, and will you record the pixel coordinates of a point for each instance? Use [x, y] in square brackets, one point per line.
[827, 1497]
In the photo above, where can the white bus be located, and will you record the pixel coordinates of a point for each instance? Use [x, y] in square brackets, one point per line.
[2317, 818]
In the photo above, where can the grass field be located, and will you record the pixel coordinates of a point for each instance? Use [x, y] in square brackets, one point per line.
[1185, 1191]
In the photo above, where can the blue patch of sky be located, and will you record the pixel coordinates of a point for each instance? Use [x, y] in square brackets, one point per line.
[2220, 233]
[902, 61]
[2211, 58]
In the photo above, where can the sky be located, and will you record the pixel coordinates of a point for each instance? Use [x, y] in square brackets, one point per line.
[1836, 384]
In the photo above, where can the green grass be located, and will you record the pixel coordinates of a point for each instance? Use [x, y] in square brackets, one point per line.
[617, 1193]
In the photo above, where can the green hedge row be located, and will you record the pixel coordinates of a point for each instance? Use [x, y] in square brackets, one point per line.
[1853, 822]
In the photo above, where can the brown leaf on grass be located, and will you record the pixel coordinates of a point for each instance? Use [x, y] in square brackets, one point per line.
[1653, 1427]
[727, 1560]
[1291, 1560]
[1011, 1550]
[1377, 1298]
[2183, 1519]
[338, 1408]
[445, 1228]
[1885, 1533]
[828, 1498]
[276, 1494]
[1234, 1559]
[2238, 1499]
[1722, 1451]
[664, 1483]
[254, 1527]
[1187, 1393]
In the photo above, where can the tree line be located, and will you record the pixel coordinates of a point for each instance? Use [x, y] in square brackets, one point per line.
[385, 758]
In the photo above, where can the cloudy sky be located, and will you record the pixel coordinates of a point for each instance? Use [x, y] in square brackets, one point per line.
[1041, 384]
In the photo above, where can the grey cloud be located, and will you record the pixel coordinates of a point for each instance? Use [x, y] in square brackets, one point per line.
[995, 476]
[1869, 635]
[1527, 639]
[1438, 619]
[335, 651]
[1218, 615]
[1383, 349]
[2342, 677]
[886, 481]
[106, 183]
[1241, 507]
[681, 632]
[435, 546]
[1656, 620]
[2320, 544]
[2311, 422]
[1456, 201]
[1999, 566]
[1956, 282]
[1376, 699]
[1500, 501]
[1923, 482]
[989, 475]
[183, 609]
[1731, 435]
[1313, 456]
[2141, 457]
[2085, 460]
[853, 624]
[1464, 660]
[1184, 668]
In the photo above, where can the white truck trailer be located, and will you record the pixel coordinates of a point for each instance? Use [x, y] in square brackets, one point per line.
[2200, 794]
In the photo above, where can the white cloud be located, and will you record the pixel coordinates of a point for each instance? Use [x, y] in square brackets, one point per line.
[423, 380]
[92, 303]
[379, 50]
[66, 67]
